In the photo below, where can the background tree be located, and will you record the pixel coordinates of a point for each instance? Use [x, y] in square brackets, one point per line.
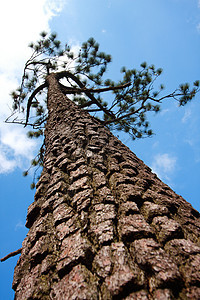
[102, 226]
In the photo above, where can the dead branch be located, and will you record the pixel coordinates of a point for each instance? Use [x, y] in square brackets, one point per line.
[11, 254]
[37, 90]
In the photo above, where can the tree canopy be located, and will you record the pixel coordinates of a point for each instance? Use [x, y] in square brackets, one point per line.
[82, 76]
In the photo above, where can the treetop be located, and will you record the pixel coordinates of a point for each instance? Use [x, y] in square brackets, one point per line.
[81, 74]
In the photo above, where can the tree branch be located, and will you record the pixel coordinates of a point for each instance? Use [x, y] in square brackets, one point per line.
[21, 122]
[86, 104]
[87, 92]
[69, 90]
[127, 115]
[11, 254]
[37, 90]
[172, 95]
[93, 110]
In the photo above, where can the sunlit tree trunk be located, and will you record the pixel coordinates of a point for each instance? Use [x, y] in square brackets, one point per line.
[102, 226]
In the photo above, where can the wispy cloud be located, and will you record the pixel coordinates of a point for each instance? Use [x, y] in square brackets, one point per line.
[18, 142]
[53, 7]
[6, 165]
[16, 149]
[198, 26]
[187, 115]
[19, 226]
[164, 165]
[164, 111]
[20, 25]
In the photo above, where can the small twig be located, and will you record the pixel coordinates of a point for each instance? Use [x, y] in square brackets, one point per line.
[11, 254]
[126, 115]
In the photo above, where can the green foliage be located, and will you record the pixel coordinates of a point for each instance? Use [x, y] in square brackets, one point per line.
[126, 111]
[36, 133]
[132, 98]
[32, 186]
[197, 83]
[25, 173]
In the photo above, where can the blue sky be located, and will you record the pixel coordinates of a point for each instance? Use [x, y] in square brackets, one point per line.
[162, 32]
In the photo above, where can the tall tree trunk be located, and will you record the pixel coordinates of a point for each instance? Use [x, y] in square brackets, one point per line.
[102, 226]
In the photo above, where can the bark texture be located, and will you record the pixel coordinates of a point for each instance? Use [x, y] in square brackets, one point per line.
[102, 226]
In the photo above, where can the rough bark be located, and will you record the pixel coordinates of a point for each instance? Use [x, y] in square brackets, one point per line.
[102, 226]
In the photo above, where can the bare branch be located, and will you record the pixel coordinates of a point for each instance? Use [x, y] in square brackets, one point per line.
[173, 95]
[11, 254]
[93, 110]
[69, 90]
[127, 115]
[21, 122]
[36, 91]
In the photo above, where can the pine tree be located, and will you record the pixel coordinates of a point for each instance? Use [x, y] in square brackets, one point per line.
[102, 225]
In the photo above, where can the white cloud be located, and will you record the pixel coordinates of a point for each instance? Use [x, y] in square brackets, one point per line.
[164, 165]
[6, 165]
[187, 115]
[53, 7]
[18, 142]
[164, 111]
[8, 83]
[19, 225]
[16, 150]
[190, 142]
[20, 22]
